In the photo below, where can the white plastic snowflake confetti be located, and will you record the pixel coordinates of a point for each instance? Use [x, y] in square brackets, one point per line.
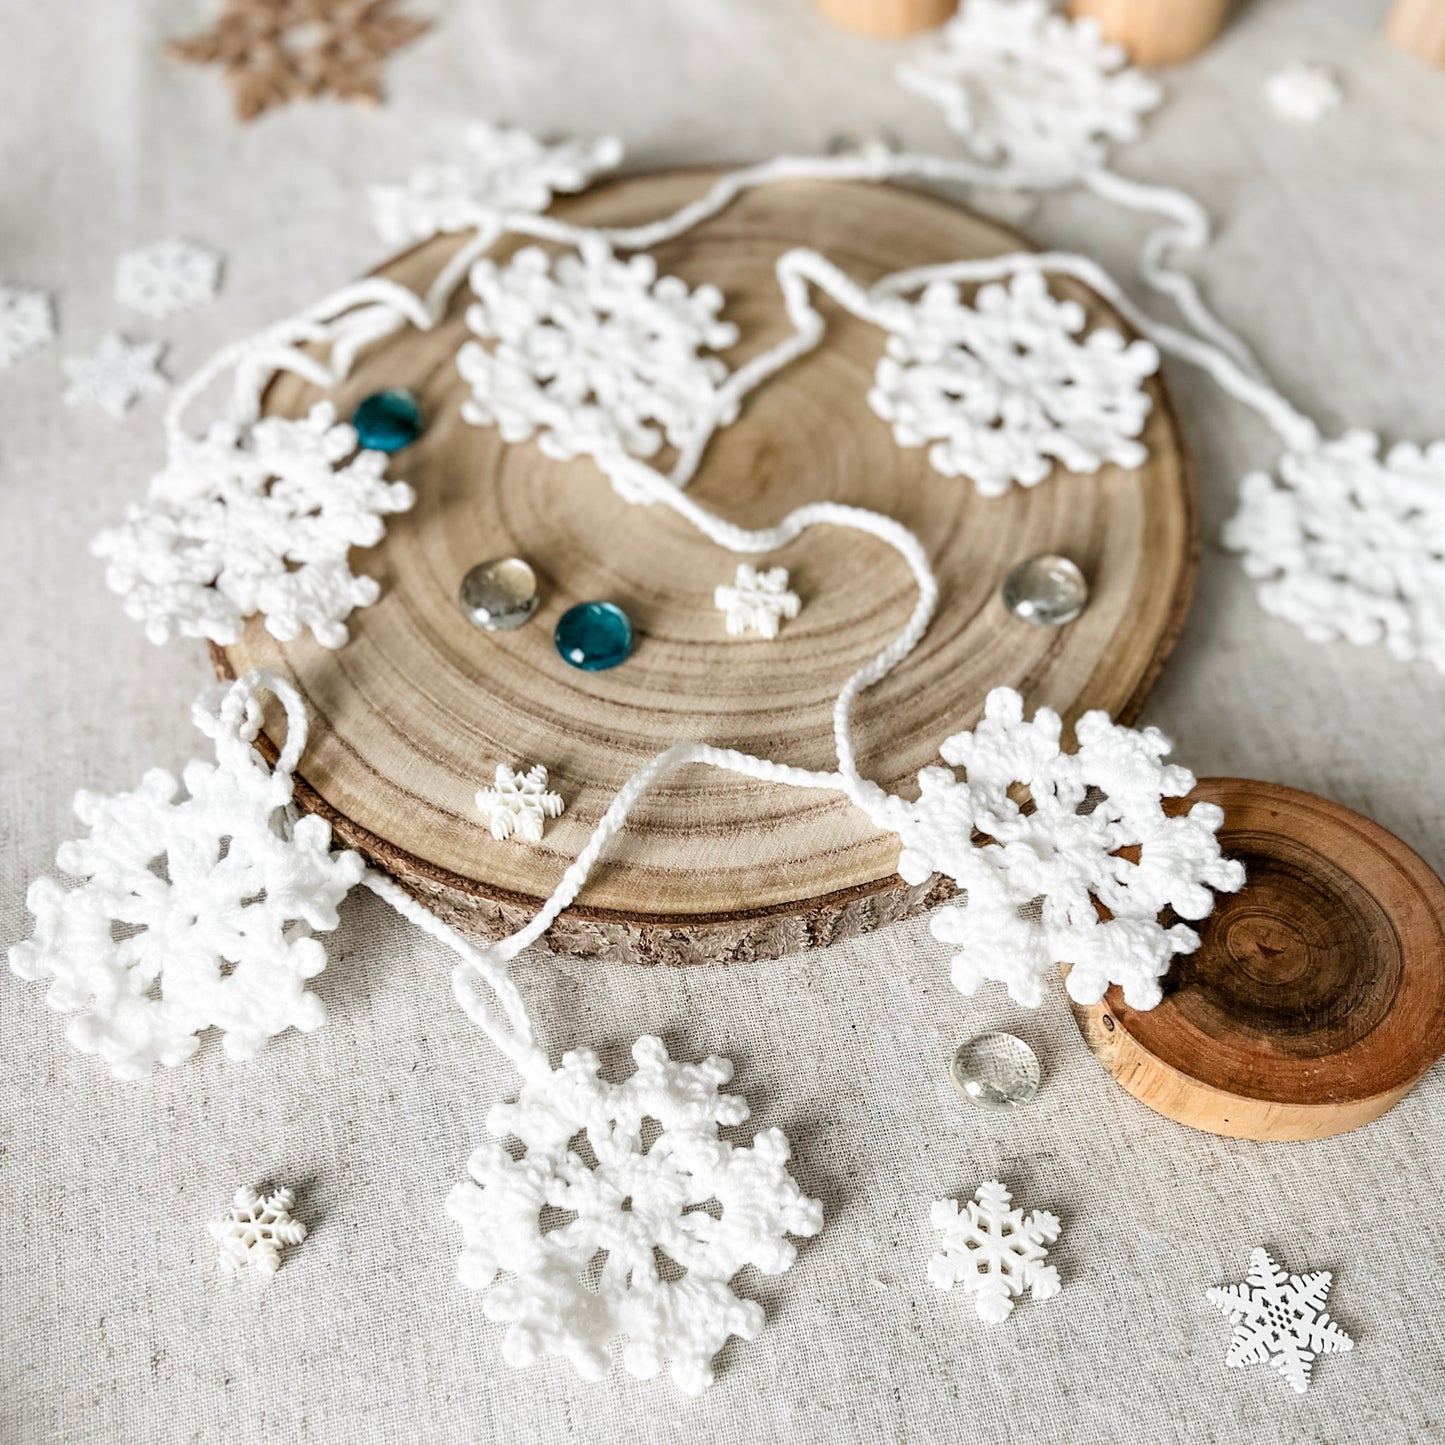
[1034, 884]
[260, 519]
[115, 375]
[1025, 86]
[519, 803]
[676, 1218]
[166, 278]
[1303, 92]
[500, 170]
[1001, 388]
[1351, 546]
[191, 913]
[757, 601]
[256, 1230]
[594, 353]
[993, 1251]
[27, 322]
[1280, 1317]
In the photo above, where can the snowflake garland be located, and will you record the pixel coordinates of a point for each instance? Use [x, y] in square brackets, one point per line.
[1034, 886]
[519, 803]
[757, 601]
[676, 1218]
[256, 1229]
[191, 913]
[1024, 86]
[1280, 1317]
[500, 170]
[1002, 388]
[167, 278]
[255, 520]
[993, 1251]
[115, 375]
[27, 322]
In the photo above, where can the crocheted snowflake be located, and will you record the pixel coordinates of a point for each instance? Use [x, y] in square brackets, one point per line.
[757, 601]
[259, 519]
[1093, 832]
[1349, 546]
[256, 1230]
[27, 322]
[519, 804]
[191, 912]
[115, 375]
[993, 1251]
[669, 1217]
[499, 170]
[167, 278]
[593, 353]
[1280, 1317]
[1002, 388]
[1025, 86]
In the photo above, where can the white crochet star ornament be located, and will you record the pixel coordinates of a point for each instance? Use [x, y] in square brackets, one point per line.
[192, 913]
[257, 519]
[255, 1231]
[757, 601]
[1001, 388]
[1280, 1318]
[518, 803]
[167, 278]
[499, 170]
[993, 1251]
[671, 1213]
[115, 375]
[1024, 86]
[1093, 832]
[1350, 546]
[27, 322]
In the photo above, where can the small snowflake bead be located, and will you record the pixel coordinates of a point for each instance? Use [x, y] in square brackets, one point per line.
[27, 322]
[167, 278]
[256, 1230]
[757, 601]
[519, 803]
[993, 1251]
[115, 375]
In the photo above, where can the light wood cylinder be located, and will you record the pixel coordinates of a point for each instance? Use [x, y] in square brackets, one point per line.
[1418, 28]
[885, 18]
[1157, 32]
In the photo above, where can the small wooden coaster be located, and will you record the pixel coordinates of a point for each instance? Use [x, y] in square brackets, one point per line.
[1317, 997]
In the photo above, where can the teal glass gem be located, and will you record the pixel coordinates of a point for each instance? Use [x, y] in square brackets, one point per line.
[594, 636]
[387, 421]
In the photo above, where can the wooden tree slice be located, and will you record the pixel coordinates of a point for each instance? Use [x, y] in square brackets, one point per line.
[414, 714]
[1317, 997]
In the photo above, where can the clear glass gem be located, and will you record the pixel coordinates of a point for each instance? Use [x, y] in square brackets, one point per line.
[996, 1071]
[594, 636]
[387, 421]
[1047, 591]
[499, 595]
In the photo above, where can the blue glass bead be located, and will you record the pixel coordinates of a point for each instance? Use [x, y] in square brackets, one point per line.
[387, 421]
[594, 636]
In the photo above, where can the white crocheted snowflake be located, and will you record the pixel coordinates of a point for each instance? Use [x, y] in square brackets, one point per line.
[1281, 1317]
[993, 1251]
[592, 352]
[519, 803]
[255, 1231]
[1025, 86]
[27, 322]
[1093, 832]
[191, 912]
[1349, 546]
[115, 375]
[166, 278]
[607, 1227]
[757, 601]
[260, 519]
[499, 170]
[1002, 388]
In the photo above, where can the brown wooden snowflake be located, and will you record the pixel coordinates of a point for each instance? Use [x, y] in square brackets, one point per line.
[277, 51]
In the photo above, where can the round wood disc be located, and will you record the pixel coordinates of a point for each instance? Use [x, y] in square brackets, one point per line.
[1317, 996]
[417, 710]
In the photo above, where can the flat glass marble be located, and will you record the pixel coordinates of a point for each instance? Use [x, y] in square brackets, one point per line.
[995, 1071]
[387, 421]
[594, 636]
[1048, 591]
[499, 595]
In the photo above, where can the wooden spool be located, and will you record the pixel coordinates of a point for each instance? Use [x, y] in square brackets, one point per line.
[1418, 28]
[1157, 32]
[1317, 997]
[416, 711]
[887, 19]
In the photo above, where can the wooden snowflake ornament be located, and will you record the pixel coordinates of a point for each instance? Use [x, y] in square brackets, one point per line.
[254, 1232]
[993, 1251]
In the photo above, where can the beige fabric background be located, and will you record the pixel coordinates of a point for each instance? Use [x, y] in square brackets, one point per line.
[113, 1326]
